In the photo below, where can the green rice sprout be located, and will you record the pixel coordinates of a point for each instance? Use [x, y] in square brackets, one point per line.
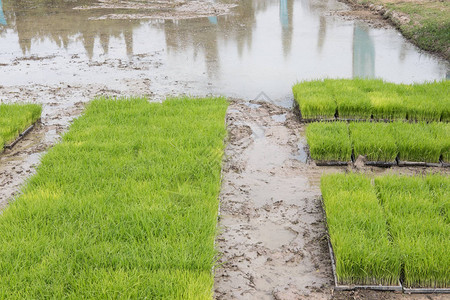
[15, 118]
[358, 231]
[329, 141]
[373, 140]
[125, 206]
[418, 227]
[416, 142]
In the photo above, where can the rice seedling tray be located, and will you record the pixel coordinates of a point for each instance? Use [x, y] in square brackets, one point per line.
[21, 135]
[382, 164]
[402, 163]
[330, 163]
[445, 164]
[351, 287]
[407, 290]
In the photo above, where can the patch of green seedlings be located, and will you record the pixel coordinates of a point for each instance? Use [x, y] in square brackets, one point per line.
[314, 100]
[364, 98]
[419, 231]
[124, 207]
[329, 141]
[387, 106]
[399, 225]
[358, 231]
[441, 132]
[416, 142]
[15, 118]
[373, 140]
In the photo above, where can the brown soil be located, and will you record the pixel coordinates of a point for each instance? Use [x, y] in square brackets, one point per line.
[273, 236]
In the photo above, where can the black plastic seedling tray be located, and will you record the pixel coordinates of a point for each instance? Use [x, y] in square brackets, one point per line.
[21, 136]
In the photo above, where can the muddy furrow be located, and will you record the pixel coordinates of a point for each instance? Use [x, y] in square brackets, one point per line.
[272, 237]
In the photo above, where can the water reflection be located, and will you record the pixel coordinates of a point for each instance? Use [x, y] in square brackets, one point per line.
[265, 45]
[2, 15]
[363, 53]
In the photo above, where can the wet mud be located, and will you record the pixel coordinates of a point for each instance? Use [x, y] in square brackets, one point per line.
[272, 237]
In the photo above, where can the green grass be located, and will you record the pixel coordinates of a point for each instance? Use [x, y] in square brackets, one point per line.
[397, 225]
[124, 207]
[416, 142]
[373, 140]
[358, 231]
[15, 118]
[329, 141]
[363, 99]
[418, 229]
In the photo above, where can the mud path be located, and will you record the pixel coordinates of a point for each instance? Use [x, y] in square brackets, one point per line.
[273, 237]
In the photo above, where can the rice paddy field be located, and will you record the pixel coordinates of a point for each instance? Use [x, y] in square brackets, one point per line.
[416, 142]
[124, 207]
[14, 119]
[363, 99]
[388, 230]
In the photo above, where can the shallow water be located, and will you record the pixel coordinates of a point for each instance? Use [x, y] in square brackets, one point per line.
[263, 46]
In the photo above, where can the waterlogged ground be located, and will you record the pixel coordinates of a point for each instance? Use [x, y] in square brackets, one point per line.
[63, 53]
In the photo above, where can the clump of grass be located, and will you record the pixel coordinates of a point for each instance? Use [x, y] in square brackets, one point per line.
[125, 207]
[329, 141]
[416, 142]
[314, 100]
[417, 228]
[14, 118]
[358, 231]
[373, 140]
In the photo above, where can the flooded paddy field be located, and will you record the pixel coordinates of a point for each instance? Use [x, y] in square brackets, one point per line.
[64, 53]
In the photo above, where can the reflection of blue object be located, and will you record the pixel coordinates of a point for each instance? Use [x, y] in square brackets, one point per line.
[212, 20]
[2, 16]
[363, 53]
[284, 13]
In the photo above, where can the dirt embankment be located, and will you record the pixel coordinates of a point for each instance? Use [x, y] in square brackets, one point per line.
[423, 22]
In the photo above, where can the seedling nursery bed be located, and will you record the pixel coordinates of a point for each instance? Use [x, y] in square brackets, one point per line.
[387, 229]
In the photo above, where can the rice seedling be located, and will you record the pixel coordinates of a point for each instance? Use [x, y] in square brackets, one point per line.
[124, 207]
[362, 98]
[387, 105]
[14, 118]
[358, 231]
[314, 100]
[373, 140]
[441, 132]
[416, 142]
[417, 227]
[329, 141]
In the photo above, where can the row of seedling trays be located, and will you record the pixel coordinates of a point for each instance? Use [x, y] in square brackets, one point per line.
[358, 99]
[383, 144]
[390, 233]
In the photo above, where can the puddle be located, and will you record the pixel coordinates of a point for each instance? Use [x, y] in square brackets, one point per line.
[279, 118]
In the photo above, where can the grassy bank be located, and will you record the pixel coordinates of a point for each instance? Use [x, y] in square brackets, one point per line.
[15, 118]
[373, 99]
[124, 207]
[425, 23]
[397, 228]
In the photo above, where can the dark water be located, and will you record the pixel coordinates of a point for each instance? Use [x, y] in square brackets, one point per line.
[264, 46]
